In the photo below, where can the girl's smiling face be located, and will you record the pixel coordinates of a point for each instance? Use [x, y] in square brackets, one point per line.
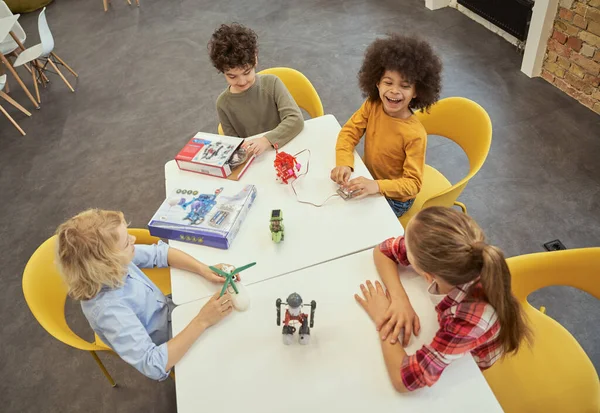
[396, 93]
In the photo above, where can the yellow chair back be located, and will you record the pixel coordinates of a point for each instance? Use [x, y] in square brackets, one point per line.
[303, 92]
[554, 375]
[466, 123]
[45, 291]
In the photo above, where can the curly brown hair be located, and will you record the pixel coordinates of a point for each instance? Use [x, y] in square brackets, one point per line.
[233, 46]
[413, 58]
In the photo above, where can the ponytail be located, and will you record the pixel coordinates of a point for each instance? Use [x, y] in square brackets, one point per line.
[450, 245]
[496, 282]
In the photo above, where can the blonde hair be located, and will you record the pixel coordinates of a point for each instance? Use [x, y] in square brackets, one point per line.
[88, 254]
[450, 245]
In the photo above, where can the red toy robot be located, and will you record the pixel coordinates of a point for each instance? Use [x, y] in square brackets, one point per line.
[294, 315]
[286, 166]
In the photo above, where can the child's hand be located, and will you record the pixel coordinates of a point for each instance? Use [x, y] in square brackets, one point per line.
[400, 318]
[363, 187]
[341, 174]
[375, 303]
[215, 309]
[212, 276]
[256, 146]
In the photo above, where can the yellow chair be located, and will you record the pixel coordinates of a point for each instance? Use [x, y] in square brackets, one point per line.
[466, 123]
[554, 375]
[46, 293]
[303, 92]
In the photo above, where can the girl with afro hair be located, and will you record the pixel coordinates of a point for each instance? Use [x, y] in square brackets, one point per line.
[399, 75]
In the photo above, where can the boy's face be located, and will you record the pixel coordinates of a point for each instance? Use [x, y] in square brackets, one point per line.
[396, 93]
[126, 241]
[240, 79]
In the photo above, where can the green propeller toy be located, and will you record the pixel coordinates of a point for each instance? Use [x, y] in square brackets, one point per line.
[229, 276]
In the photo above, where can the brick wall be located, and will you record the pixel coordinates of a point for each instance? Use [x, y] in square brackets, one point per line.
[572, 60]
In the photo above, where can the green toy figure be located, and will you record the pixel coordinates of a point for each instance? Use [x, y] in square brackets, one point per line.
[276, 225]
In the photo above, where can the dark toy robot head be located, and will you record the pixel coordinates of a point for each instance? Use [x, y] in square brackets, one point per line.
[294, 300]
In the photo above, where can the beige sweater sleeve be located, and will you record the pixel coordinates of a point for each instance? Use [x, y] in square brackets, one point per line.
[291, 120]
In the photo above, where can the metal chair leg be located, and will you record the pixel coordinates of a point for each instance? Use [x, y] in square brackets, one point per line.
[106, 373]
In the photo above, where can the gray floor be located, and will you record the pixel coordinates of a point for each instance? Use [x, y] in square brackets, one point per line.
[146, 86]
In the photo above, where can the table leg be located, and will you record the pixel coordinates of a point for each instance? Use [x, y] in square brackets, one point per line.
[19, 81]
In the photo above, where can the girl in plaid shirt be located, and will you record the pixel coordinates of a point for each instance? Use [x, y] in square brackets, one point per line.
[469, 281]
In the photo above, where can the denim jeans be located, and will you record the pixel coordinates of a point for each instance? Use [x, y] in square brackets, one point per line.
[400, 207]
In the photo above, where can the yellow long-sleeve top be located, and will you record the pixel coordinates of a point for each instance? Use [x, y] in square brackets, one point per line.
[394, 149]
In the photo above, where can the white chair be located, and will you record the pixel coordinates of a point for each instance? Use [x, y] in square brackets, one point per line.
[43, 52]
[8, 45]
[12, 102]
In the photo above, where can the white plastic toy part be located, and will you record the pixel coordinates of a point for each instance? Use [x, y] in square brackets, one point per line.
[241, 300]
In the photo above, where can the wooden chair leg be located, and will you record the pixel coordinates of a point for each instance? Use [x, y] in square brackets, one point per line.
[129, 2]
[43, 78]
[60, 74]
[14, 103]
[62, 62]
[12, 70]
[137, 2]
[35, 82]
[105, 2]
[106, 373]
[12, 121]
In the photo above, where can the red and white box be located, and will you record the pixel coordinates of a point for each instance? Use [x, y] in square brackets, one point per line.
[214, 155]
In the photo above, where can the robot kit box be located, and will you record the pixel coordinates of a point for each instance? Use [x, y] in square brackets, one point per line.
[203, 216]
[214, 155]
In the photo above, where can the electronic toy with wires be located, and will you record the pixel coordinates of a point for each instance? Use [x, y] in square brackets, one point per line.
[287, 170]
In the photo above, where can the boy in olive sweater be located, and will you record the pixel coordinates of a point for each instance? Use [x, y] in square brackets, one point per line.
[252, 103]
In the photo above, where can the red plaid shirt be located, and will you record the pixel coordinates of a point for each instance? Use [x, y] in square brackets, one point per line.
[467, 324]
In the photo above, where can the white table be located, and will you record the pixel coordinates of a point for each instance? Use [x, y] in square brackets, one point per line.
[312, 235]
[241, 364]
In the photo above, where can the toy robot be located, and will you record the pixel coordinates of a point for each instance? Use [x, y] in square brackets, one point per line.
[294, 315]
[200, 206]
[276, 226]
[286, 166]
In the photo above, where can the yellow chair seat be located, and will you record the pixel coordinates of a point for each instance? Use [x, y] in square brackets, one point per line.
[436, 183]
[161, 277]
[554, 375]
[45, 293]
[465, 123]
[100, 343]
